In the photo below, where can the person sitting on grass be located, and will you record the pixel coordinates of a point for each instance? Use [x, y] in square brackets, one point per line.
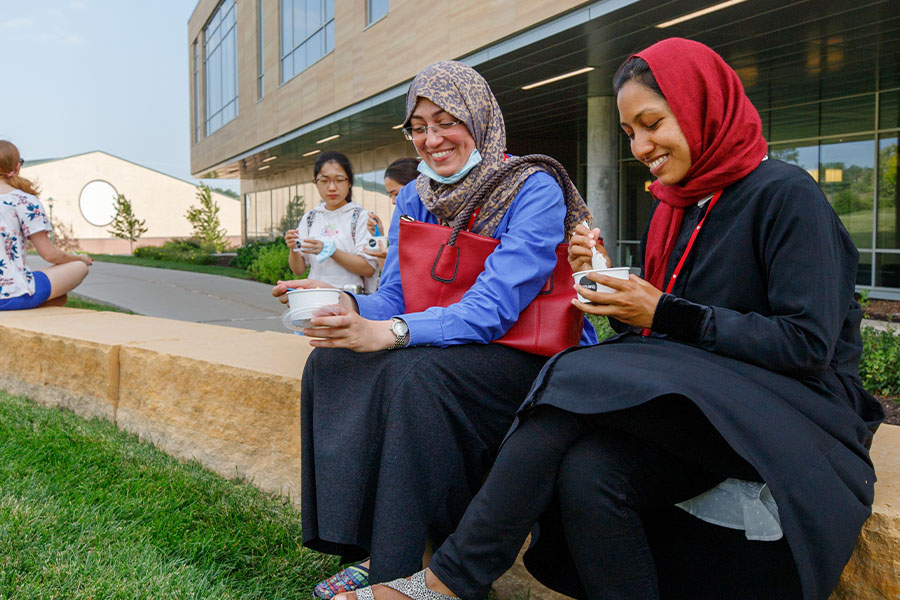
[22, 218]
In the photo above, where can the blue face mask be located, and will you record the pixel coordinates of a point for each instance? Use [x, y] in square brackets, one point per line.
[474, 159]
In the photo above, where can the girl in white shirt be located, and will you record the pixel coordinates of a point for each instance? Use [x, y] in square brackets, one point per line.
[22, 218]
[332, 237]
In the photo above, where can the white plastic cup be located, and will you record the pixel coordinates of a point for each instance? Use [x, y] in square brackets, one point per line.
[581, 279]
[304, 303]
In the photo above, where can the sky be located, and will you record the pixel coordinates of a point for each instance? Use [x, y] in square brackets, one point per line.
[110, 75]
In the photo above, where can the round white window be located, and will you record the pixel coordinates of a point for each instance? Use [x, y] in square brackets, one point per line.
[98, 203]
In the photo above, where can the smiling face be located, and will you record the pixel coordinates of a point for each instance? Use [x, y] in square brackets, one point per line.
[656, 138]
[445, 152]
[333, 185]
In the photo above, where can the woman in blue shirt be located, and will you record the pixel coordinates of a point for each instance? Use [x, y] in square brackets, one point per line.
[395, 444]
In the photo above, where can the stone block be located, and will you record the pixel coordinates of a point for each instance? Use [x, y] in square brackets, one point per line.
[873, 572]
[77, 373]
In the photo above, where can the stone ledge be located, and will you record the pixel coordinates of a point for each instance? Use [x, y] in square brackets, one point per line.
[230, 398]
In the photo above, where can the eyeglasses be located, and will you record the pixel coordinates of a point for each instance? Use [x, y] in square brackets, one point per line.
[417, 133]
[326, 181]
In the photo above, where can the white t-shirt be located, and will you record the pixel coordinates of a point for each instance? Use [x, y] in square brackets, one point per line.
[336, 225]
[21, 216]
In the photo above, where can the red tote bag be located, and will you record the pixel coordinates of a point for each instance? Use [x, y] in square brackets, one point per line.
[436, 273]
[439, 264]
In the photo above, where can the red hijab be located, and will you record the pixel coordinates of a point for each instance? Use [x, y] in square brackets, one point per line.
[722, 128]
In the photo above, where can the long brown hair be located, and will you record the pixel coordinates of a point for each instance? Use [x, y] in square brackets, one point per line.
[9, 162]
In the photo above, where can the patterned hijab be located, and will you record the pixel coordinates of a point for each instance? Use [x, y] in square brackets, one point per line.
[460, 91]
[722, 128]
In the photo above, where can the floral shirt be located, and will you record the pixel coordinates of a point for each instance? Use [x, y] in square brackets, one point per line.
[21, 216]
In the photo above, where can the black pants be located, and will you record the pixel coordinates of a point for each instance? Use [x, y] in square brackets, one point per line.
[603, 471]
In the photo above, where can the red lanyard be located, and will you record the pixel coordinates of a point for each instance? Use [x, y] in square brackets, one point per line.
[687, 250]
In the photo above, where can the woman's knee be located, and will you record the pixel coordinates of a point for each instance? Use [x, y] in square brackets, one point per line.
[594, 476]
[65, 277]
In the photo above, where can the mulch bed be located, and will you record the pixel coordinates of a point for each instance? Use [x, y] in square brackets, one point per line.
[891, 409]
[883, 310]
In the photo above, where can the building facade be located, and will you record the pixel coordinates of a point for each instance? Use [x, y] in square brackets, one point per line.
[80, 192]
[275, 81]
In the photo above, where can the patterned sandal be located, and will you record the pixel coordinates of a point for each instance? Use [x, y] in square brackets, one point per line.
[413, 588]
[346, 580]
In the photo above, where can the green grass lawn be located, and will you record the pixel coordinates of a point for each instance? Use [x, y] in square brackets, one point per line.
[87, 511]
[178, 266]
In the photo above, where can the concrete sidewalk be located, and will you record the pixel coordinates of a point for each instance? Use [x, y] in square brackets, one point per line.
[181, 295]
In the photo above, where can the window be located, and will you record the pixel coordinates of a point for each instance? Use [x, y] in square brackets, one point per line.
[260, 67]
[375, 9]
[197, 113]
[307, 34]
[220, 62]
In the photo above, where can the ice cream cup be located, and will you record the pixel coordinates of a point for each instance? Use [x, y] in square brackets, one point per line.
[304, 303]
[581, 279]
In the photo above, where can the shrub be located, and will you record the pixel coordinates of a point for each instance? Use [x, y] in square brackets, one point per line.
[271, 263]
[249, 253]
[185, 251]
[879, 368]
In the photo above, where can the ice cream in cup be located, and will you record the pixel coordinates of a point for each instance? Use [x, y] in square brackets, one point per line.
[582, 279]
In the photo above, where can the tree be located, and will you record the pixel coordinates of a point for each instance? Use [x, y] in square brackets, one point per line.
[126, 225]
[224, 192]
[205, 219]
[292, 215]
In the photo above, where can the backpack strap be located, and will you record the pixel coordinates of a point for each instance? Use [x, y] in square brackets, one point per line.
[354, 220]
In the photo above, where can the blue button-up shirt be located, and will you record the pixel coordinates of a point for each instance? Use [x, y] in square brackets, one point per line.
[513, 274]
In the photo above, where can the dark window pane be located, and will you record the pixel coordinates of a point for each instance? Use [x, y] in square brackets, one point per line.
[628, 254]
[847, 116]
[887, 270]
[794, 123]
[889, 105]
[888, 191]
[864, 271]
[635, 201]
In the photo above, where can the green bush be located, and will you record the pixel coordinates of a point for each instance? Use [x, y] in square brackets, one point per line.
[271, 263]
[879, 368]
[249, 253]
[186, 251]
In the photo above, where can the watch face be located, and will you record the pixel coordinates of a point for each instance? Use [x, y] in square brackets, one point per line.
[399, 327]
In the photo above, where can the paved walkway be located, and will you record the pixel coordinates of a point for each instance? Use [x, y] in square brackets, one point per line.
[182, 295]
[187, 296]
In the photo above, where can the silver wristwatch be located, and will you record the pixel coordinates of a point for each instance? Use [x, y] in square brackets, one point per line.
[401, 331]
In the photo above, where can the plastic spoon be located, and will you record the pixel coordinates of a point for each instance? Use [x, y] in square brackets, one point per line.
[598, 261]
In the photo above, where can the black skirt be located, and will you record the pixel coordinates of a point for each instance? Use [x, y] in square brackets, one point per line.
[396, 443]
[804, 438]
